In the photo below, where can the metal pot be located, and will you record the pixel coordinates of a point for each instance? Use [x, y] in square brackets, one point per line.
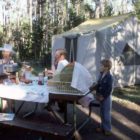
[10, 67]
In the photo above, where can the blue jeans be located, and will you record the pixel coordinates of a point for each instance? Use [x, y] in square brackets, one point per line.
[105, 112]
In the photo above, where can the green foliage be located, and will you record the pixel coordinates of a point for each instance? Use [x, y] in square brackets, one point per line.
[108, 10]
[29, 45]
[21, 38]
[37, 37]
[90, 13]
[33, 42]
[137, 8]
[1, 39]
[88, 8]
[131, 93]
[74, 19]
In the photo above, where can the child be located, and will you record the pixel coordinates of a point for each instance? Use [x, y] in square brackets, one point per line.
[26, 74]
[104, 88]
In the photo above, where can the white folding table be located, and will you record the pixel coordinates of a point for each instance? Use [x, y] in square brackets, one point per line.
[25, 93]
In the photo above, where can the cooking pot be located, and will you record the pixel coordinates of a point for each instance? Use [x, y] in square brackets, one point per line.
[10, 67]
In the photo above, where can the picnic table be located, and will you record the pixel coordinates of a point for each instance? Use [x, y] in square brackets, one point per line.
[41, 94]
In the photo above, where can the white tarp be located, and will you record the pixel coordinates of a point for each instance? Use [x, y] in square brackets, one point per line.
[81, 78]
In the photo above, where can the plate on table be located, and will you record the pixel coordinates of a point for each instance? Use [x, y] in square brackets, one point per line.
[26, 84]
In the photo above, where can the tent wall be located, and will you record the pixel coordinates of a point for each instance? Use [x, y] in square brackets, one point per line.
[137, 81]
[113, 41]
[57, 43]
[89, 54]
[108, 42]
[86, 51]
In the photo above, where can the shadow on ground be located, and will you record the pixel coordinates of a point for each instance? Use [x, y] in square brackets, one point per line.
[125, 124]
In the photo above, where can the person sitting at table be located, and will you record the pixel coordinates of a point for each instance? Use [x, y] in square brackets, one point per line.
[26, 74]
[7, 53]
[60, 62]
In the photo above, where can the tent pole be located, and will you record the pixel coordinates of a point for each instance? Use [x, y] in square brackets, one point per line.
[136, 34]
[135, 47]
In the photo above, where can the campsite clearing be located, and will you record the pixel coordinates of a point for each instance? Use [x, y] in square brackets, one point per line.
[125, 119]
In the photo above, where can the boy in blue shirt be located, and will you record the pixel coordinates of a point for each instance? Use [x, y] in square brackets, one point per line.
[104, 88]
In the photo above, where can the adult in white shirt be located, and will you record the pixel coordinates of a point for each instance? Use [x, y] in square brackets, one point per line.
[60, 60]
[59, 63]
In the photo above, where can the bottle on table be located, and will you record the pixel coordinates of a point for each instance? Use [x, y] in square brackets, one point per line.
[40, 79]
[17, 78]
[46, 72]
[45, 76]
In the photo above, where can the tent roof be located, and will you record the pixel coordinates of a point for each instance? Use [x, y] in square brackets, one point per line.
[93, 25]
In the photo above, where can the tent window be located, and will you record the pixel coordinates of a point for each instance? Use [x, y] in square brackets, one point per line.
[71, 48]
[129, 56]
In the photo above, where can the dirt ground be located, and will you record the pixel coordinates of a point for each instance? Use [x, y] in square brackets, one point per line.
[125, 124]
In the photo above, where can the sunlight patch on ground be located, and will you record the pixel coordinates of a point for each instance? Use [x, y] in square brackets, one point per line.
[133, 95]
[119, 134]
[126, 122]
[127, 104]
[77, 135]
[131, 90]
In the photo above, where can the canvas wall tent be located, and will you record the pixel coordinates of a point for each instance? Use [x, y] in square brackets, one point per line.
[116, 38]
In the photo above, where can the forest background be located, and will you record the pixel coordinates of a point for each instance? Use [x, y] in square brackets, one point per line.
[30, 27]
